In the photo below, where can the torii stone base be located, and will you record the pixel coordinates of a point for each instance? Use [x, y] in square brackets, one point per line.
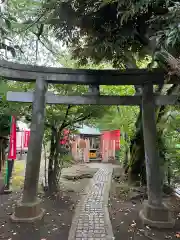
[27, 213]
[158, 217]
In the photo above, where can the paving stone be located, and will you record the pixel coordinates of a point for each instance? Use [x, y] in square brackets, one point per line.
[92, 223]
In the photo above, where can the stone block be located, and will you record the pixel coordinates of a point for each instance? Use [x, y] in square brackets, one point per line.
[159, 217]
[27, 212]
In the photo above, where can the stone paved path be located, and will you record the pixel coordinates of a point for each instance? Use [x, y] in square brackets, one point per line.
[91, 220]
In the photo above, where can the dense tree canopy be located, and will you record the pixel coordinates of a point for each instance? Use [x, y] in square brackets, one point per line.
[118, 31]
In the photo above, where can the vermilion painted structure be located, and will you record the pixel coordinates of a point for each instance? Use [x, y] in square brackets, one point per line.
[22, 143]
[109, 143]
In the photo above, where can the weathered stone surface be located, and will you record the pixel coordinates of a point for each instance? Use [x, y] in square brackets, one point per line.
[15, 71]
[78, 176]
[35, 143]
[153, 170]
[154, 212]
[29, 209]
[91, 220]
[28, 212]
[83, 172]
[159, 217]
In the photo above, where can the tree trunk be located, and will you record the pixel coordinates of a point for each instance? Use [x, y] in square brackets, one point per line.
[51, 159]
[54, 183]
[45, 181]
[165, 58]
[1, 154]
[125, 162]
[55, 163]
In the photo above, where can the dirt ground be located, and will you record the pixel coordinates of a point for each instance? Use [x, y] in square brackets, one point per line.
[59, 211]
[124, 215]
[55, 225]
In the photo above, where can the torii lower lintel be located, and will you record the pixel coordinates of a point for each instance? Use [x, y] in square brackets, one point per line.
[28, 97]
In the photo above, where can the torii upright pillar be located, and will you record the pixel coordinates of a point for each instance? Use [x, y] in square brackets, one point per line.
[29, 210]
[154, 212]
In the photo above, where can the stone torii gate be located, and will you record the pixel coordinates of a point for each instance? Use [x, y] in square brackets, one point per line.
[154, 212]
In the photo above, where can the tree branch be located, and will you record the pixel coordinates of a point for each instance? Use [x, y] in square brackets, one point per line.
[64, 121]
[79, 119]
[28, 118]
[168, 59]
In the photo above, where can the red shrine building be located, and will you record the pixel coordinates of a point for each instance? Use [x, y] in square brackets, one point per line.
[92, 145]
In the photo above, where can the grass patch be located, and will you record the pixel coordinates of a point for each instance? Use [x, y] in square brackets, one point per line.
[18, 175]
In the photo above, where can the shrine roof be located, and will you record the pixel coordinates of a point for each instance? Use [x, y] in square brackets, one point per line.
[89, 130]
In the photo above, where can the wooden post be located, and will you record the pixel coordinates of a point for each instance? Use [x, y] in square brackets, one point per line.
[29, 209]
[105, 151]
[154, 212]
[86, 151]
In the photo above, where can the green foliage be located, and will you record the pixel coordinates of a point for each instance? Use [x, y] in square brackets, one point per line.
[93, 31]
[8, 109]
[120, 32]
[62, 116]
[163, 19]
[6, 43]
[123, 118]
[170, 126]
[119, 117]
